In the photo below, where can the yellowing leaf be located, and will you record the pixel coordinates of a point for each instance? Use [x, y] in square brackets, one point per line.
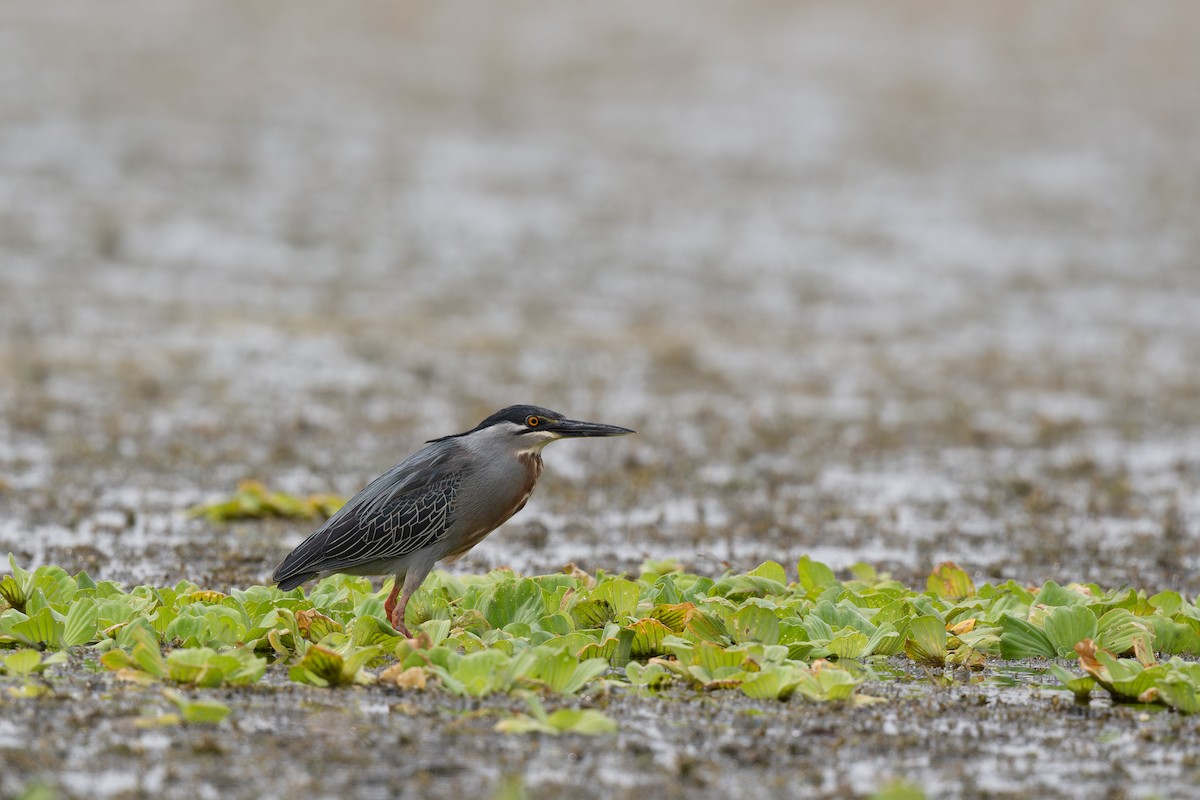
[410, 678]
[965, 626]
[950, 582]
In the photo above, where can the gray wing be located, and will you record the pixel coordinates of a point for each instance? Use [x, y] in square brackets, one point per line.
[403, 510]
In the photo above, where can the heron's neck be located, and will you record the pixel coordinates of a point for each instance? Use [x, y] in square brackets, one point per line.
[532, 460]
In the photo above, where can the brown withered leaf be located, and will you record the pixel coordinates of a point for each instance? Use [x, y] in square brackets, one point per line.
[315, 626]
[1086, 650]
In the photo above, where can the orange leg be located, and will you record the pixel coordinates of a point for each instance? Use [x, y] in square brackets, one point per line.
[394, 610]
[389, 605]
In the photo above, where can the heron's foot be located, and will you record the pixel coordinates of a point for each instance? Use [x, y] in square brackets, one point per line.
[396, 618]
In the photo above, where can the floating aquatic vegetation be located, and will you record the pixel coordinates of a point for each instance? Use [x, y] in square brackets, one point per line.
[1051, 630]
[341, 666]
[253, 500]
[647, 676]
[25, 662]
[573, 633]
[197, 666]
[195, 712]
[950, 582]
[926, 643]
[822, 682]
[899, 790]
[586, 721]
[1174, 683]
[27, 666]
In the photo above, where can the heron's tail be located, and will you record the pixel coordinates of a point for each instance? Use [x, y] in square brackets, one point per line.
[292, 581]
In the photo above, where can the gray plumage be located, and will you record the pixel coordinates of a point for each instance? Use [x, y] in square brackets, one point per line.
[403, 510]
[435, 505]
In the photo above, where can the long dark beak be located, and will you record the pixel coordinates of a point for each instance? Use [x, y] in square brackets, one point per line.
[570, 428]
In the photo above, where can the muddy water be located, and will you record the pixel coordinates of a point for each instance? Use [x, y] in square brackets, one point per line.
[880, 283]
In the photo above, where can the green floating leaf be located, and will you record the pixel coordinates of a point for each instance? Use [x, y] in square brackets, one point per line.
[648, 637]
[740, 587]
[771, 571]
[1167, 602]
[28, 662]
[1180, 689]
[674, 615]
[1021, 639]
[592, 614]
[849, 644]
[950, 582]
[206, 667]
[926, 642]
[252, 500]
[815, 577]
[15, 588]
[319, 667]
[702, 626]
[824, 682]
[198, 712]
[22, 662]
[1080, 686]
[436, 629]
[647, 676]
[778, 682]
[143, 662]
[477, 673]
[898, 789]
[885, 641]
[1051, 594]
[562, 673]
[1174, 637]
[755, 624]
[511, 602]
[587, 722]
[322, 666]
[1119, 631]
[367, 631]
[13, 593]
[79, 628]
[58, 587]
[613, 643]
[42, 628]
[712, 657]
[1067, 626]
[620, 594]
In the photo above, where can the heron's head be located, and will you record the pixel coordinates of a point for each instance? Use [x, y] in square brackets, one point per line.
[526, 428]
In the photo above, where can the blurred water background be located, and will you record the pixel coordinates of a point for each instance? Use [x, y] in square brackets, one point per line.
[874, 281]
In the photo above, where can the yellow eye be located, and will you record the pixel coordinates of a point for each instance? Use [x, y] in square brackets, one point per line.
[533, 422]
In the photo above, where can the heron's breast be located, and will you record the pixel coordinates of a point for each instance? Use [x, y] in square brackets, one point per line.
[513, 493]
